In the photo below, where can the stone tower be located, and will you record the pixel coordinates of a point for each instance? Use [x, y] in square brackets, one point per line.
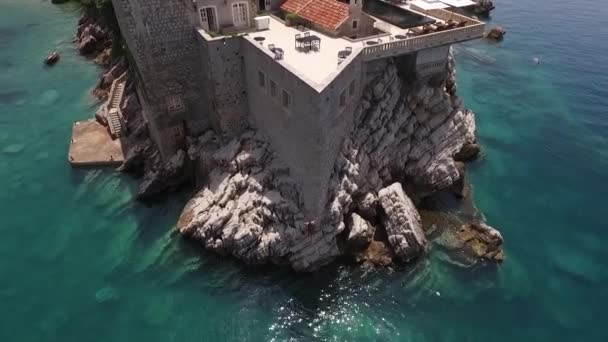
[162, 42]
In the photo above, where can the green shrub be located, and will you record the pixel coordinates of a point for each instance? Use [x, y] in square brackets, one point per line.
[292, 19]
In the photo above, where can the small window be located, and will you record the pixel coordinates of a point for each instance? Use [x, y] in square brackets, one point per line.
[343, 98]
[286, 99]
[262, 79]
[355, 24]
[175, 104]
[273, 88]
[351, 88]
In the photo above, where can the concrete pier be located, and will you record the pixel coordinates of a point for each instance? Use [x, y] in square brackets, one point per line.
[92, 145]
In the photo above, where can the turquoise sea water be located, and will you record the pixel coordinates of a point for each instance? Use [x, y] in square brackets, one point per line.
[80, 261]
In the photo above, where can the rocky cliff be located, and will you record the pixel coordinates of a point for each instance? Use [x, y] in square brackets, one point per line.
[408, 135]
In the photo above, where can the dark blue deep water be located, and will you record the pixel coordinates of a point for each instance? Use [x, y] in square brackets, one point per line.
[80, 261]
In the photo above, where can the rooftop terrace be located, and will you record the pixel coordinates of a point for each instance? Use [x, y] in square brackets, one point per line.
[313, 66]
[318, 67]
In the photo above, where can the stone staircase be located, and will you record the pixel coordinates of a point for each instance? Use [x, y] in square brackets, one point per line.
[115, 123]
[115, 119]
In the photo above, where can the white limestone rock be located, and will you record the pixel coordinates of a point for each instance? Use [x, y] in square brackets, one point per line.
[252, 210]
[402, 223]
[250, 207]
[361, 232]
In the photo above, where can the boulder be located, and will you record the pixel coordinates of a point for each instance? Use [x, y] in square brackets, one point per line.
[360, 233]
[402, 223]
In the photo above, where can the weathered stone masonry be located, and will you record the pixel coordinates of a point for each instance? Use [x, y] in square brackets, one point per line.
[224, 84]
[289, 183]
[163, 43]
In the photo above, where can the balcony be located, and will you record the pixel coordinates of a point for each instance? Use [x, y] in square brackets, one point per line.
[472, 29]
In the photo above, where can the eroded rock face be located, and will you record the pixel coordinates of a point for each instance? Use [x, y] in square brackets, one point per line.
[404, 131]
[251, 208]
[92, 36]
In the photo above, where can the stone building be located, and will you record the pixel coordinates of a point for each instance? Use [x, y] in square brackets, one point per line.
[218, 64]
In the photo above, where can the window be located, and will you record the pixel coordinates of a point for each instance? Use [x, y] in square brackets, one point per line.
[355, 24]
[343, 98]
[175, 104]
[240, 14]
[351, 88]
[208, 18]
[273, 88]
[262, 79]
[286, 99]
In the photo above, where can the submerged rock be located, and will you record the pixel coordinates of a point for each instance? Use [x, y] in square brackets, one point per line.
[52, 58]
[13, 148]
[106, 294]
[481, 240]
[496, 33]
[49, 97]
[467, 240]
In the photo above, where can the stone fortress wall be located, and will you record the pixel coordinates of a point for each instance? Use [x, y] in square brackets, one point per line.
[224, 91]
[229, 84]
[163, 43]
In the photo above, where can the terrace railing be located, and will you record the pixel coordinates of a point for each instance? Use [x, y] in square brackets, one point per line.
[448, 15]
[474, 30]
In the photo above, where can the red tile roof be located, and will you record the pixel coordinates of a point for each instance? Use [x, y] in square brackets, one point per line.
[329, 14]
[295, 6]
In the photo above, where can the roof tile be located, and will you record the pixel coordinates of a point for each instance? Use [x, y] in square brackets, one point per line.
[328, 14]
